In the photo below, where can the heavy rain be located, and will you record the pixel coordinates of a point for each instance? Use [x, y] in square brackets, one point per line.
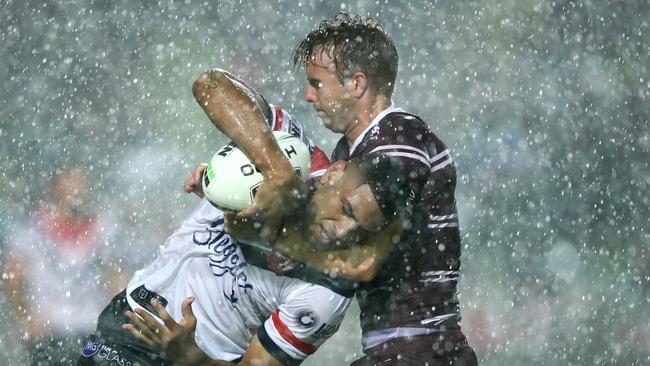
[543, 105]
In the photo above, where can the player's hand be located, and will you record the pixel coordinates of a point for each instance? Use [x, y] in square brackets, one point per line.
[241, 228]
[193, 182]
[363, 271]
[174, 340]
[279, 197]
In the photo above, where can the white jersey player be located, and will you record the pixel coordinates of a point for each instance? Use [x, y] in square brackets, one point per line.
[234, 301]
[232, 297]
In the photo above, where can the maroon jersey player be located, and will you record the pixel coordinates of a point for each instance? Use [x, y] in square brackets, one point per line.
[409, 310]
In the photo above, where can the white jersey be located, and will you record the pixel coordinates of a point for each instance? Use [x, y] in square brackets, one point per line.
[233, 299]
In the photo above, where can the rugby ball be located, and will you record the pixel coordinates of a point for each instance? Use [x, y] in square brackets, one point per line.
[231, 181]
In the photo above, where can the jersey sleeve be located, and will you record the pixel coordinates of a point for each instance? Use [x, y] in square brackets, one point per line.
[403, 137]
[281, 120]
[309, 316]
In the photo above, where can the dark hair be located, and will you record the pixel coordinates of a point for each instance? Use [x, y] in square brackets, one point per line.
[354, 45]
[389, 183]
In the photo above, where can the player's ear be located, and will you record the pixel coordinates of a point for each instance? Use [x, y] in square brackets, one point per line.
[334, 172]
[360, 84]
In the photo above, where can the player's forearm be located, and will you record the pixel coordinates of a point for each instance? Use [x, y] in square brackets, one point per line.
[359, 262]
[236, 111]
[294, 245]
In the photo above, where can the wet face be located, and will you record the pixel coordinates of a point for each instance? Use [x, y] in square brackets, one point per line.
[344, 210]
[331, 99]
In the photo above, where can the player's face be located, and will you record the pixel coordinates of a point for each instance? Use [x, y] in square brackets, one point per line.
[71, 189]
[344, 210]
[332, 99]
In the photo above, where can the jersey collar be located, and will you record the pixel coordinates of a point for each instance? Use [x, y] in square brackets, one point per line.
[374, 122]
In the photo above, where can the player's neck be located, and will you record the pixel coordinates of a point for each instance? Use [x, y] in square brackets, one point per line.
[365, 112]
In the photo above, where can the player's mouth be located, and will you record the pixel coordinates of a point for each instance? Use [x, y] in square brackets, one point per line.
[322, 235]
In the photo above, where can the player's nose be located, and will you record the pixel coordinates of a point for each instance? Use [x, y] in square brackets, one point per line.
[309, 95]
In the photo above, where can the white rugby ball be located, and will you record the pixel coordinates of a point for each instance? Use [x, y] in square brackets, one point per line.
[231, 181]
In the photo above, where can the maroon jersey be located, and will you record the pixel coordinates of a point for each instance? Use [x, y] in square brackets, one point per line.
[414, 293]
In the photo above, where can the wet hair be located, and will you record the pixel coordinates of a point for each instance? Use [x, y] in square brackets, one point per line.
[354, 45]
[389, 183]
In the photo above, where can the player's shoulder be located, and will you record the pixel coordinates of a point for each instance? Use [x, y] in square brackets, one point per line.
[400, 128]
[408, 128]
[403, 122]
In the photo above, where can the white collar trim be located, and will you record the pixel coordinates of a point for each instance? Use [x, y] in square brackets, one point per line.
[374, 122]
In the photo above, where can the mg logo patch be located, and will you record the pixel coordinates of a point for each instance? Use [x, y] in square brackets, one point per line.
[90, 349]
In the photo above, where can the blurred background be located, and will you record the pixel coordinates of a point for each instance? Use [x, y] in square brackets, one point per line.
[544, 105]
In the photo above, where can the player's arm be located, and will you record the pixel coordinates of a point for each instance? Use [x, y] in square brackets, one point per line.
[237, 111]
[256, 354]
[176, 340]
[360, 262]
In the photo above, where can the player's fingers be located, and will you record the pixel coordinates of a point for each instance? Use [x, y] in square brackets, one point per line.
[339, 266]
[237, 227]
[271, 230]
[164, 316]
[230, 220]
[255, 212]
[141, 326]
[187, 186]
[188, 315]
[135, 332]
[249, 212]
[193, 182]
[344, 267]
[229, 223]
[199, 171]
[157, 329]
[361, 271]
[365, 265]
[189, 183]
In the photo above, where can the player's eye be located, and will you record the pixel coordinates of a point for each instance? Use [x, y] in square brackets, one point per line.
[316, 84]
[347, 209]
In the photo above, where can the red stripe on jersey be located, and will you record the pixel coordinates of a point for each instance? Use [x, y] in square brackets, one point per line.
[288, 335]
[319, 160]
[278, 119]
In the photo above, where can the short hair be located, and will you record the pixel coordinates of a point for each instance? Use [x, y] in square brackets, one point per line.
[354, 45]
[389, 183]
